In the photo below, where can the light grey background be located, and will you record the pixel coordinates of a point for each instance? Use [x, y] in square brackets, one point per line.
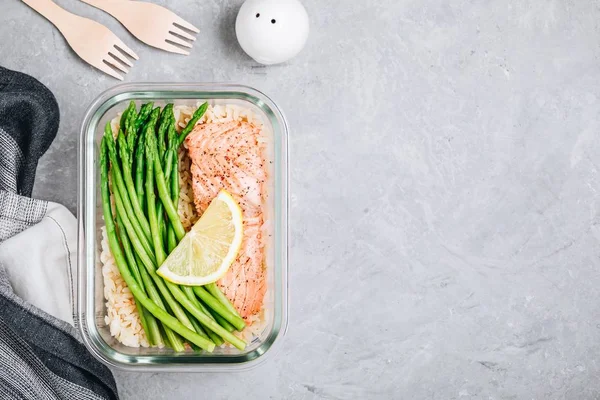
[445, 208]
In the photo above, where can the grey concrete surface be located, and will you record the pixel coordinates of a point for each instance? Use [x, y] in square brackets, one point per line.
[445, 206]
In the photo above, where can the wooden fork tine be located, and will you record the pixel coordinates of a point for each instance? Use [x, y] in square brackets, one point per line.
[124, 49]
[119, 56]
[117, 65]
[108, 70]
[183, 23]
[177, 30]
[179, 41]
[173, 49]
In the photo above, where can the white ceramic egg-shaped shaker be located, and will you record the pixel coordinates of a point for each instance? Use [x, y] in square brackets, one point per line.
[272, 31]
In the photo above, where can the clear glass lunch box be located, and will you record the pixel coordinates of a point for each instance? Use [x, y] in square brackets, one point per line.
[91, 303]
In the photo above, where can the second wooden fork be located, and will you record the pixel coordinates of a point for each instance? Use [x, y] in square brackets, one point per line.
[150, 23]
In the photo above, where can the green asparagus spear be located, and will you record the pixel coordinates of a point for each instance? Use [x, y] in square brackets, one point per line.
[165, 197]
[125, 117]
[192, 122]
[131, 128]
[120, 185]
[167, 342]
[213, 303]
[148, 321]
[174, 178]
[130, 122]
[160, 217]
[140, 164]
[162, 229]
[218, 294]
[174, 339]
[197, 327]
[136, 126]
[136, 273]
[221, 321]
[129, 184]
[159, 248]
[165, 118]
[189, 292]
[176, 342]
[154, 294]
[213, 336]
[160, 207]
[150, 126]
[129, 254]
[145, 111]
[154, 337]
[205, 319]
[149, 133]
[172, 139]
[171, 240]
[117, 252]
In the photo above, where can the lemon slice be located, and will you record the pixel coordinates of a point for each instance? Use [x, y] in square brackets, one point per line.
[209, 248]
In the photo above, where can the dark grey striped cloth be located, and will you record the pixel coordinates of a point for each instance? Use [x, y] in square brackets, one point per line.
[41, 356]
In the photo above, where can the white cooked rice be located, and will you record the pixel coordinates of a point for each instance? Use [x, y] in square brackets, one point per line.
[121, 313]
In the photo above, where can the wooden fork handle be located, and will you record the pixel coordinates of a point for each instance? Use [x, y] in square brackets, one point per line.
[50, 10]
[106, 5]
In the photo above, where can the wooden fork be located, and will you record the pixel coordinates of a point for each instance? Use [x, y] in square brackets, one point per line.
[93, 42]
[151, 23]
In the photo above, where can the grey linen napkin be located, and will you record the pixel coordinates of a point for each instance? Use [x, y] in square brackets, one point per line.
[41, 356]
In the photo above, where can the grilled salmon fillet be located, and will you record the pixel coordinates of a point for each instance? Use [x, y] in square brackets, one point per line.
[227, 155]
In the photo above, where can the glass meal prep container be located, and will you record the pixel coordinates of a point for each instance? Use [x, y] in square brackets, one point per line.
[91, 307]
